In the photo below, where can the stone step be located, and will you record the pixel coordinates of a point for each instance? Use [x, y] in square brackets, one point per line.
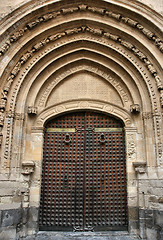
[82, 236]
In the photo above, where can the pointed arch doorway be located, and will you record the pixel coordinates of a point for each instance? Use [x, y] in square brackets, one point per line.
[84, 174]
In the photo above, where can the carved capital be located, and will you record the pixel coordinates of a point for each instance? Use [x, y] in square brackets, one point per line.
[135, 108]
[19, 116]
[140, 167]
[147, 115]
[28, 167]
[32, 110]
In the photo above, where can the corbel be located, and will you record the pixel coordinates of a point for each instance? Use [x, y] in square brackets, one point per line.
[140, 167]
[32, 110]
[28, 167]
[135, 108]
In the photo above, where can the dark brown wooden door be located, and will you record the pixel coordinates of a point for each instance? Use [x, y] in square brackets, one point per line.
[84, 174]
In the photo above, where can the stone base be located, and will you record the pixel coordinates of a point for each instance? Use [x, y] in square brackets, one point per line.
[151, 224]
[111, 235]
[19, 223]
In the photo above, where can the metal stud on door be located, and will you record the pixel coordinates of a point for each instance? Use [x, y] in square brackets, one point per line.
[83, 174]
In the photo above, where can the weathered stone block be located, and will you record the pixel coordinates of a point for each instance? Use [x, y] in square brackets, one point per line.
[159, 218]
[156, 183]
[6, 199]
[133, 225]
[11, 217]
[160, 235]
[33, 214]
[143, 187]
[151, 233]
[8, 233]
[142, 229]
[141, 213]
[33, 226]
[133, 213]
[24, 215]
[155, 191]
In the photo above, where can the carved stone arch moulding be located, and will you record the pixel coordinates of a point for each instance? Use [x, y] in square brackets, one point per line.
[148, 81]
[121, 45]
[114, 45]
[5, 91]
[32, 63]
[105, 12]
[81, 105]
[82, 29]
[99, 106]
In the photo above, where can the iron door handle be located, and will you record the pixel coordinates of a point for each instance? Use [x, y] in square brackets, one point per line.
[102, 138]
[67, 138]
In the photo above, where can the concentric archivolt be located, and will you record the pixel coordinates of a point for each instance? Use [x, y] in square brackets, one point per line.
[82, 7]
[27, 56]
[70, 35]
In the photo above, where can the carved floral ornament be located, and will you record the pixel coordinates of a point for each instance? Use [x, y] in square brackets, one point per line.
[81, 29]
[83, 7]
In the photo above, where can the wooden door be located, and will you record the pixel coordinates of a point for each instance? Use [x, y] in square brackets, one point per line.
[84, 174]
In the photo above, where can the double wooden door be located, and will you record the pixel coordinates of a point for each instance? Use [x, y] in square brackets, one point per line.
[84, 174]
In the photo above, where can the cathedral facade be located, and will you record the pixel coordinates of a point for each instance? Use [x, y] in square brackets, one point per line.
[81, 117]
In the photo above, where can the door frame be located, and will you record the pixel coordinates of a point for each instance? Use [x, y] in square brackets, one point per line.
[37, 134]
